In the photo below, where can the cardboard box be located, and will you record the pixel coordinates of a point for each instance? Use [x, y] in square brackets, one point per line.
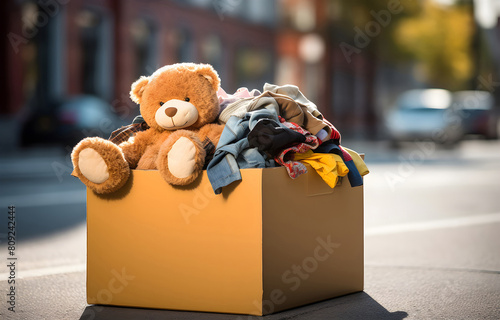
[266, 244]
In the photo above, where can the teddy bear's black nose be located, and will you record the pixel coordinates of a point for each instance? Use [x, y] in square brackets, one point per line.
[171, 111]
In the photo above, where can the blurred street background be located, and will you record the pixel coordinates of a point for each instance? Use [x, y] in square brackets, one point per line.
[415, 85]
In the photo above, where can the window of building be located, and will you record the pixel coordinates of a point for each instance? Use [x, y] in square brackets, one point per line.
[29, 52]
[42, 57]
[254, 67]
[261, 11]
[343, 90]
[211, 51]
[144, 37]
[184, 45]
[96, 49]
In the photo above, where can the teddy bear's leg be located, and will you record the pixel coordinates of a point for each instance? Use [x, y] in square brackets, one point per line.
[100, 165]
[181, 158]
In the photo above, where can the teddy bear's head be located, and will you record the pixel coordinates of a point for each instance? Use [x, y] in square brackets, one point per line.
[183, 95]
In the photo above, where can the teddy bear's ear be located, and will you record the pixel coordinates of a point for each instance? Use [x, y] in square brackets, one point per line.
[209, 73]
[138, 89]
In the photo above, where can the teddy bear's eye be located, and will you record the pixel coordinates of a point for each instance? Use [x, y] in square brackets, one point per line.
[161, 103]
[186, 99]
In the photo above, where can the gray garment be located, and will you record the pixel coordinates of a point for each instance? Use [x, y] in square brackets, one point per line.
[286, 101]
[241, 107]
[294, 93]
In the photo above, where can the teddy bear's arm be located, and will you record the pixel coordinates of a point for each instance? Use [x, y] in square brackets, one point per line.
[134, 149]
[211, 131]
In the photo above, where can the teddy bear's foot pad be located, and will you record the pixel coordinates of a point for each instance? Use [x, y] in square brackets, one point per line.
[93, 166]
[181, 158]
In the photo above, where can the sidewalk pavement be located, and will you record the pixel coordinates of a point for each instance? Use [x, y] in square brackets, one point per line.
[443, 273]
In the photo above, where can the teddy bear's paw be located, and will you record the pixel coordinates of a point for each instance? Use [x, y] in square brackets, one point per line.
[182, 158]
[93, 166]
[100, 165]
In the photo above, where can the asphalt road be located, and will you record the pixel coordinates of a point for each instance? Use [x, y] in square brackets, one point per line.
[432, 238]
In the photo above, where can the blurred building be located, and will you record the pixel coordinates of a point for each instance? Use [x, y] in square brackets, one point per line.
[309, 34]
[59, 48]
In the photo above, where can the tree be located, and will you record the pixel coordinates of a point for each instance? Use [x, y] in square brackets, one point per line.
[439, 39]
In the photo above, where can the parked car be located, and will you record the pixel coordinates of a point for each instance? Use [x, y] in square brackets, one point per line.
[477, 109]
[425, 114]
[69, 121]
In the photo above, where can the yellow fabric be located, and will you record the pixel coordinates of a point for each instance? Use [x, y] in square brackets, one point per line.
[358, 162]
[329, 166]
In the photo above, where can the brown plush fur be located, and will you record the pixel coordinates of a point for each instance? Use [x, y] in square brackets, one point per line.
[177, 82]
[112, 156]
[162, 163]
[150, 149]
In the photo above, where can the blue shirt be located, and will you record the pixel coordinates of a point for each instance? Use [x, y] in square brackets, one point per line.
[234, 152]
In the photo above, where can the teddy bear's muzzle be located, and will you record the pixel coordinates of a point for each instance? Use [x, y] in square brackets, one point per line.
[176, 114]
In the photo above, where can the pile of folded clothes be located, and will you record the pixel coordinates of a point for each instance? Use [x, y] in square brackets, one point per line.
[279, 127]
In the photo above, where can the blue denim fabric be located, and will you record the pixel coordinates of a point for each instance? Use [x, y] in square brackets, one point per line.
[353, 175]
[233, 151]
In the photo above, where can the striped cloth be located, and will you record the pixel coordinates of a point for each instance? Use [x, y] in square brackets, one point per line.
[126, 132]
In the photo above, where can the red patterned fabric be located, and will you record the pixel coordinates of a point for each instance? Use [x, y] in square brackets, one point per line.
[285, 158]
[335, 133]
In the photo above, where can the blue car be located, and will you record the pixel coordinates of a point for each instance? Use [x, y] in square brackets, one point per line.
[425, 114]
[477, 109]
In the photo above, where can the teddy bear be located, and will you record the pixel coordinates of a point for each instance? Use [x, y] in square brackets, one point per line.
[179, 104]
